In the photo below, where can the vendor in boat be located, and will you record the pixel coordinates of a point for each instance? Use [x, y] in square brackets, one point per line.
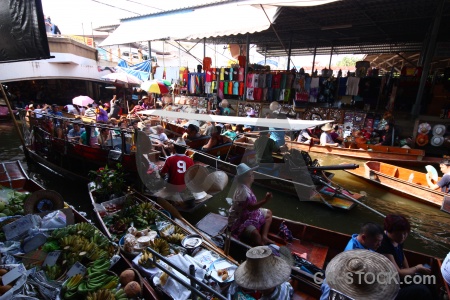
[74, 134]
[247, 219]
[444, 183]
[104, 138]
[216, 139]
[337, 138]
[370, 237]
[325, 137]
[262, 276]
[396, 230]
[387, 135]
[264, 147]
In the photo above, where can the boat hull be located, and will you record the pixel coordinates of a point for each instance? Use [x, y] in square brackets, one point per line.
[396, 179]
[401, 156]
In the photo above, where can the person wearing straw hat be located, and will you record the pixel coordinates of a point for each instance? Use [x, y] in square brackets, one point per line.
[362, 274]
[262, 275]
[369, 238]
[396, 230]
[325, 137]
[444, 182]
[445, 269]
[247, 219]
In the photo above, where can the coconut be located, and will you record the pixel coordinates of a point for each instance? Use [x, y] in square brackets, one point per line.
[126, 277]
[132, 289]
[5, 288]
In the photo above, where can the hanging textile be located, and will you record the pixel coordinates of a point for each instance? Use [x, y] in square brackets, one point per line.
[352, 86]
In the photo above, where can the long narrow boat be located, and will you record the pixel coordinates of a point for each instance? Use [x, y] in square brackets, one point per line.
[408, 183]
[401, 156]
[318, 245]
[13, 176]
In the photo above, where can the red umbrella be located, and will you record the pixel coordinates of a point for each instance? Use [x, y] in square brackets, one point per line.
[154, 86]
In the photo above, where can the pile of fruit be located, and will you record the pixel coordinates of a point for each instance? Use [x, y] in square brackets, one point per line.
[142, 215]
[11, 202]
[80, 242]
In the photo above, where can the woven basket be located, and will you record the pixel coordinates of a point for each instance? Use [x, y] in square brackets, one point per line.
[195, 177]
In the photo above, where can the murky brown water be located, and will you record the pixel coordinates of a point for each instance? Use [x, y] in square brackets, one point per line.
[430, 225]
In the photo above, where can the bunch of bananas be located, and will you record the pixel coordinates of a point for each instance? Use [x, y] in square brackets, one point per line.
[100, 281]
[98, 267]
[175, 238]
[107, 295]
[161, 246]
[54, 272]
[120, 225]
[146, 259]
[70, 287]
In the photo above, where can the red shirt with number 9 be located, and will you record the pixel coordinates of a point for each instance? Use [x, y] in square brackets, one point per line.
[176, 166]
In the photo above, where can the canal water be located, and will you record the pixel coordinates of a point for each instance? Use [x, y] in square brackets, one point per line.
[430, 226]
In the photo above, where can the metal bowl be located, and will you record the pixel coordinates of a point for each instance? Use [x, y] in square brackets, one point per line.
[192, 241]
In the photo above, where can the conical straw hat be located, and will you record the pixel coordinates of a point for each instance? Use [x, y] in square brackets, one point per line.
[363, 274]
[261, 270]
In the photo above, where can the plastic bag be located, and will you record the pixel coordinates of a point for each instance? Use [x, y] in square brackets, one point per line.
[53, 220]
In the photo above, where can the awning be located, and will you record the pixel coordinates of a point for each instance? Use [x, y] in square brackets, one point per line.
[289, 124]
[194, 23]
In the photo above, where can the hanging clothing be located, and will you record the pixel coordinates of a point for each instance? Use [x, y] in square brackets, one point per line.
[241, 88]
[214, 74]
[208, 77]
[283, 81]
[222, 74]
[221, 85]
[250, 92]
[235, 74]
[269, 78]
[262, 80]
[352, 86]
[255, 80]
[236, 85]
[230, 75]
[241, 74]
[226, 74]
[225, 87]
[264, 95]
[314, 89]
[276, 80]
[250, 80]
[257, 94]
[208, 88]
[230, 88]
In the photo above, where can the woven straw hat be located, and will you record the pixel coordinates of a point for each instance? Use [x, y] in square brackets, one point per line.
[326, 127]
[194, 178]
[445, 269]
[261, 270]
[437, 140]
[43, 201]
[377, 277]
[215, 182]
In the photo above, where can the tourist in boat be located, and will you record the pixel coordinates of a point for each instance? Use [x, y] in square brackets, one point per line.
[74, 134]
[239, 129]
[208, 128]
[387, 135]
[247, 219]
[335, 135]
[89, 136]
[370, 237]
[192, 133]
[396, 230]
[229, 133]
[216, 139]
[307, 136]
[175, 167]
[160, 140]
[262, 276]
[325, 137]
[444, 183]
[137, 108]
[90, 112]
[102, 115]
[115, 111]
[104, 138]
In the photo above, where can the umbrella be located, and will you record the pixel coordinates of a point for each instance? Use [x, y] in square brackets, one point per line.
[82, 100]
[122, 78]
[166, 82]
[154, 86]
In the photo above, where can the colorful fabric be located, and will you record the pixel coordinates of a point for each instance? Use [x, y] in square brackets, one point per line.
[240, 217]
[225, 87]
[241, 88]
[241, 74]
[222, 74]
[276, 80]
[230, 75]
[236, 88]
[230, 88]
[250, 80]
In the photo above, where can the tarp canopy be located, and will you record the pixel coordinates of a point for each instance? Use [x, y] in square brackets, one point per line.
[218, 20]
[22, 31]
[141, 70]
[290, 124]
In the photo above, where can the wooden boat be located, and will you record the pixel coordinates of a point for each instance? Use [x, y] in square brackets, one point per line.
[406, 182]
[401, 156]
[12, 175]
[73, 160]
[304, 191]
[318, 245]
